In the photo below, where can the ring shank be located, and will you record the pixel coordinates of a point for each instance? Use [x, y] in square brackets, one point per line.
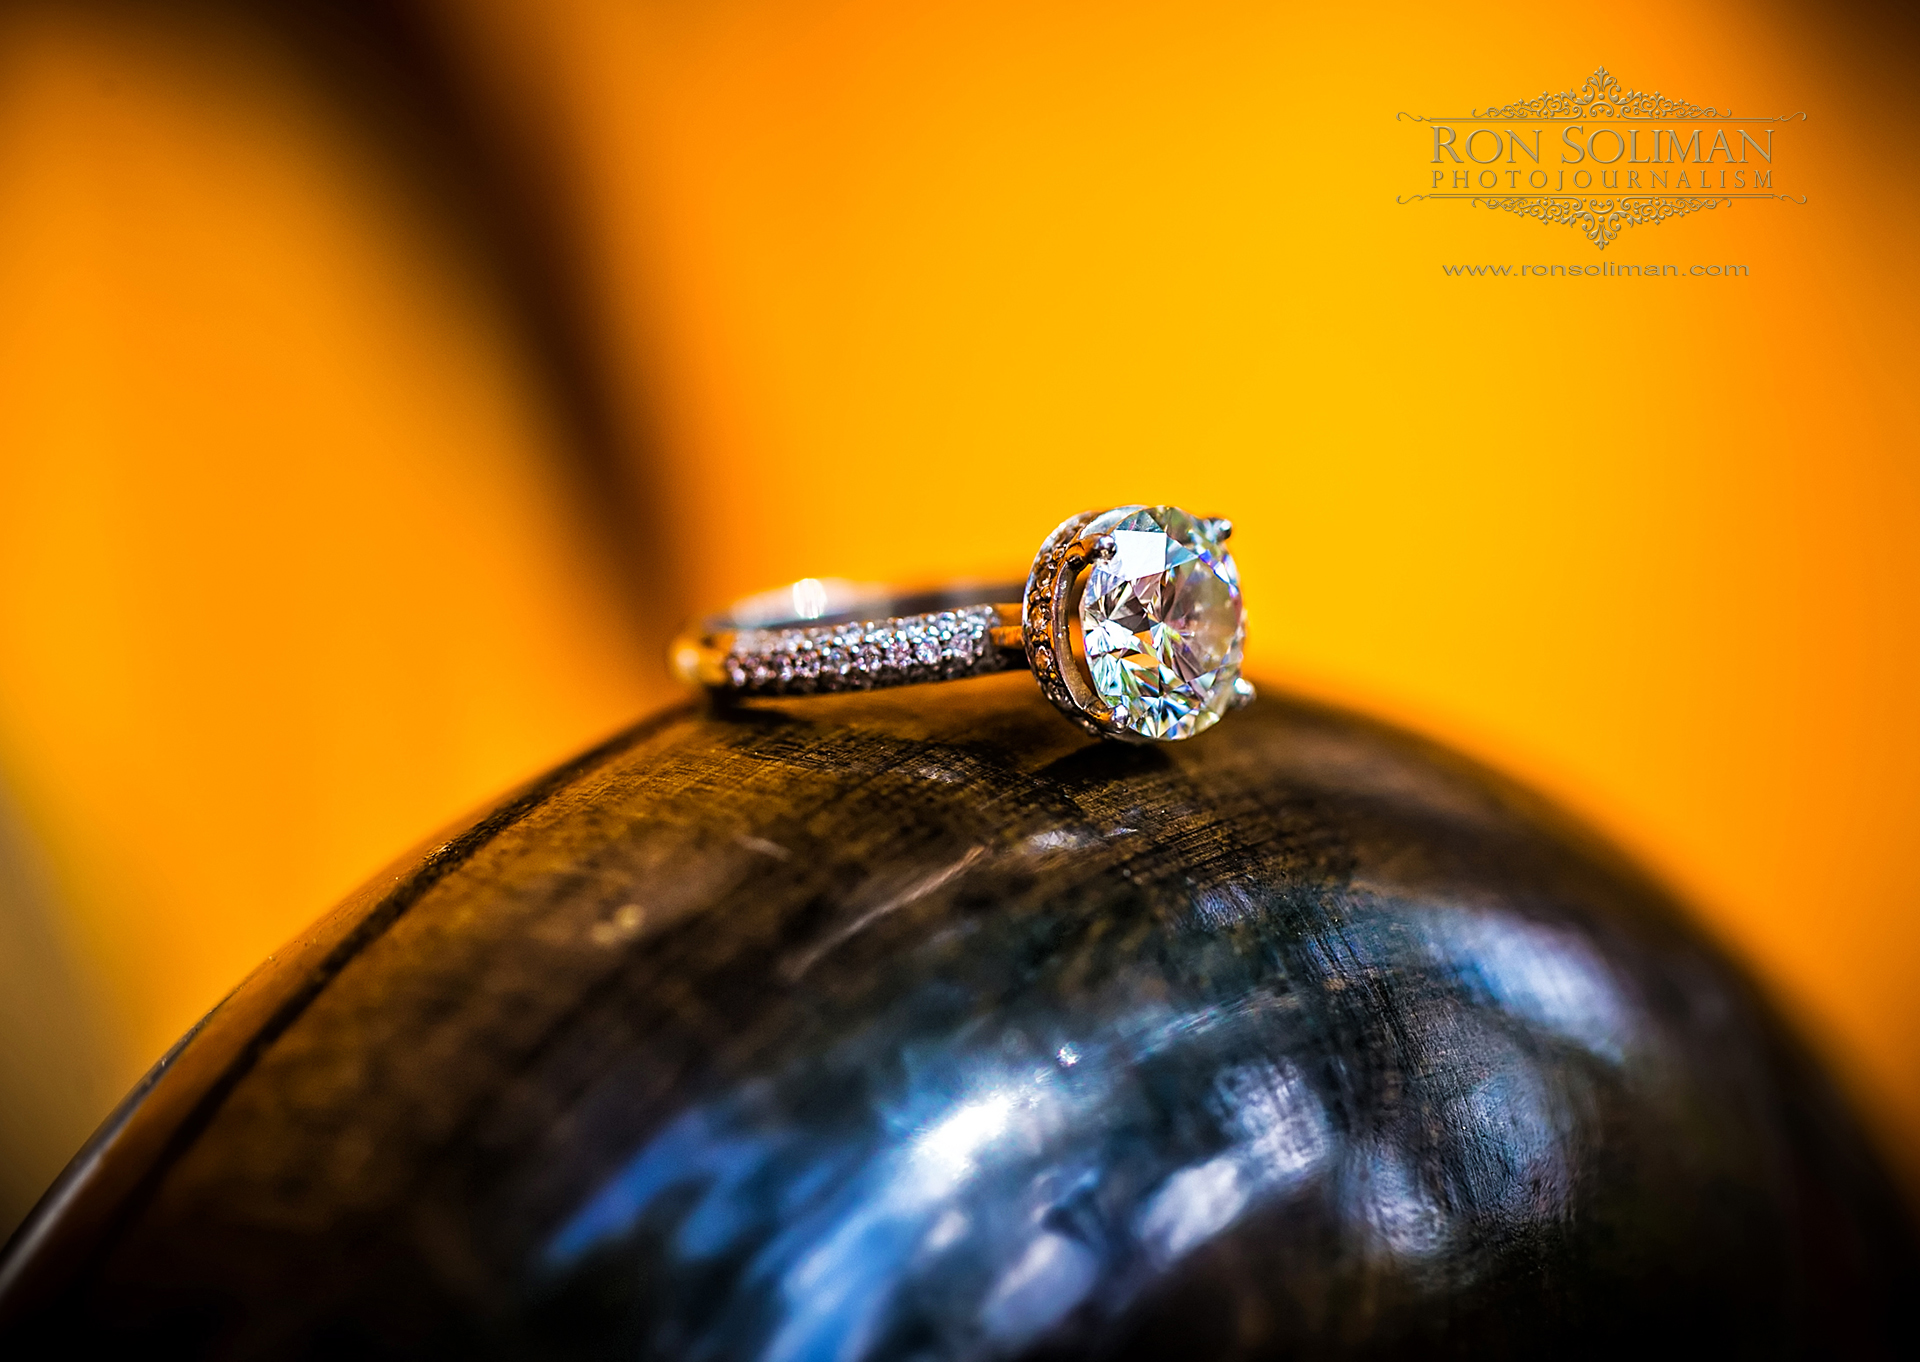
[832, 635]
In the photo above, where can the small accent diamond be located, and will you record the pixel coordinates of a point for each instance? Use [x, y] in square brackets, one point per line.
[944, 644]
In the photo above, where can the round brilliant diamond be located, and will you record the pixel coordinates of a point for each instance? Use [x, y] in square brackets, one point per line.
[1163, 621]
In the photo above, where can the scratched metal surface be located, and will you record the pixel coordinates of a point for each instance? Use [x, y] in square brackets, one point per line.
[919, 1026]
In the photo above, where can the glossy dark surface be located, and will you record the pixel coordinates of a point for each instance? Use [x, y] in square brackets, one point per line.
[917, 1025]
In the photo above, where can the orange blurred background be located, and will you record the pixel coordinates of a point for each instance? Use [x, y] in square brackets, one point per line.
[374, 376]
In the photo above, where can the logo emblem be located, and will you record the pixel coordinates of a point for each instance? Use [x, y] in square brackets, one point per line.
[1601, 158]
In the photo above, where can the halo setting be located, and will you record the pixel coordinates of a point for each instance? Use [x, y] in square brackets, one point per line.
[1161, 622]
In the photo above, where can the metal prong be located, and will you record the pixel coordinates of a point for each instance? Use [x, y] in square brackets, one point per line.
[1219, 527]
[1104, 548]
[1243, 693]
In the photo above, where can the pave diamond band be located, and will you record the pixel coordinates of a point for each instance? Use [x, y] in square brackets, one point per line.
[903, 650]
[818, 636]
[1131, 620]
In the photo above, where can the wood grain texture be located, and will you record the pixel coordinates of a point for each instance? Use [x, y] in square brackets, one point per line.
[919, 1025]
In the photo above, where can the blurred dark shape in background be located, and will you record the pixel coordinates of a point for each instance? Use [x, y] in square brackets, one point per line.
[366, 99]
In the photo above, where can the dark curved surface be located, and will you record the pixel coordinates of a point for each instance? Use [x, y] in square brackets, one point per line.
[919, 1026]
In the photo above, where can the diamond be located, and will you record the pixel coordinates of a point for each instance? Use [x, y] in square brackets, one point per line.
[864, 655]
[1163, 621]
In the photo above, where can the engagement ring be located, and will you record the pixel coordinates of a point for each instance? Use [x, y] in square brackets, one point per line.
[1131, 620]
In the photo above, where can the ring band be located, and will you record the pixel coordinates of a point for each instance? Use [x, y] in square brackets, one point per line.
[831, 635]
[1131, 620]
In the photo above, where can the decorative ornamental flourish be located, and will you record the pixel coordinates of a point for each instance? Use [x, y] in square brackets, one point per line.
[1602, 97]
[1602, 217]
